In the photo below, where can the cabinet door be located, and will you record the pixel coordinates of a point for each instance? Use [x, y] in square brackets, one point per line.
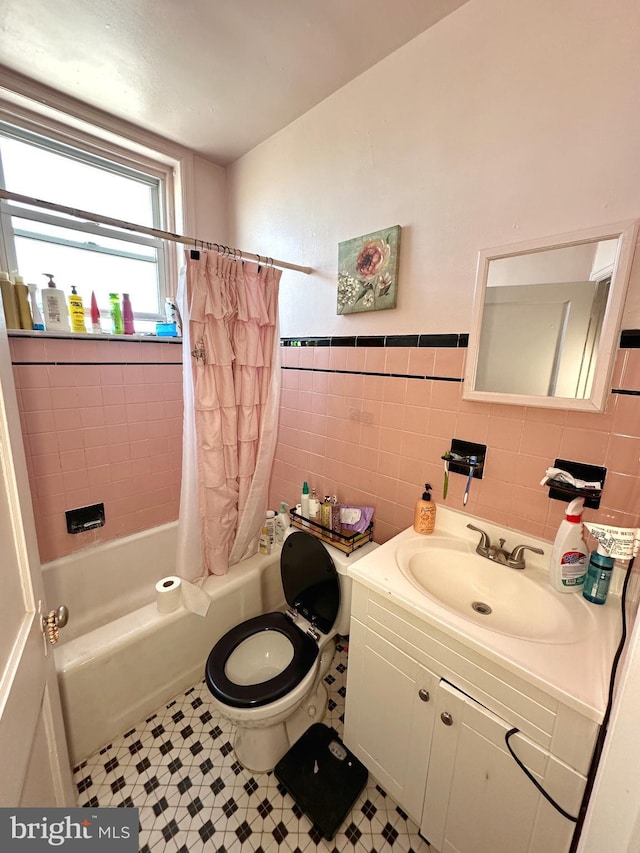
[477, 798]
[389, 716]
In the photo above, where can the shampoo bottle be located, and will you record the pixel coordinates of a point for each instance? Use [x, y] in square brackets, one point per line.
[22, 298]
[282, 523]
[76, 310]
[9, 301]
[54, 307]
[424, 517]
[569, 554]
[596, 583]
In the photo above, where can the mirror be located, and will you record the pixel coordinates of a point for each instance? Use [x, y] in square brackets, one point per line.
[546, 319]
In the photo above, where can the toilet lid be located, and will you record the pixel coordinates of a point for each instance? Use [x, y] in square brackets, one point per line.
[310, 580]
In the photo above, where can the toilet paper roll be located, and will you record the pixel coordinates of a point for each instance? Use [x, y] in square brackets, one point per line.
[171, 592]
[168, 594]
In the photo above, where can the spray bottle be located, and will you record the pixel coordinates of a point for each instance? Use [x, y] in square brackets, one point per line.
[568, 565]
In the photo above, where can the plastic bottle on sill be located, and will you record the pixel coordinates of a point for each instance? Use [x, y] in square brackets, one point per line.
[54, 307]
[127, 315]
[117, 326]
[22, 298]
[76, 310]
[36, 314]
[96, 327]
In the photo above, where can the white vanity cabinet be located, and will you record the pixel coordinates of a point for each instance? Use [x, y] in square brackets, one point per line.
[477, 799]
[427, 714]
[391, 715]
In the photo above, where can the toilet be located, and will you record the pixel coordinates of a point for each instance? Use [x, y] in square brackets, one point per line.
[266, 674]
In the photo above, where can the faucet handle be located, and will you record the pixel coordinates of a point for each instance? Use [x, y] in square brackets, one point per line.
[485, 542]
[516, 558]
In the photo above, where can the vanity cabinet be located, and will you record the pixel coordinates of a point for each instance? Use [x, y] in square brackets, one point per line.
[477, 799]
[391, 715]
[428, 716]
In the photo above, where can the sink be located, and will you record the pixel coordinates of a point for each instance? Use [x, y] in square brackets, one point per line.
[515, 602]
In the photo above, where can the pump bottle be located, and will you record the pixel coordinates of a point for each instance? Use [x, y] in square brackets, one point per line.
[424, 518]
[569, 554]
[54, 307]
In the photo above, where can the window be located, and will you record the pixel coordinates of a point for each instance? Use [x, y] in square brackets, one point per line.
[94, 258]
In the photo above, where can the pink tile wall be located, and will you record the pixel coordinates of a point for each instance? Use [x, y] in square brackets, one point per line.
[375, 440]
[102, 422]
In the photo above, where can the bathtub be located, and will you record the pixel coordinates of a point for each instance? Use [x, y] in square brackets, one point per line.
[118, 658]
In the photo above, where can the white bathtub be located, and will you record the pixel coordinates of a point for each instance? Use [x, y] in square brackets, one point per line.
[118, 658]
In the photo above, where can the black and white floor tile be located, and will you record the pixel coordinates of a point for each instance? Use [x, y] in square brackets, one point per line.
[178, 767]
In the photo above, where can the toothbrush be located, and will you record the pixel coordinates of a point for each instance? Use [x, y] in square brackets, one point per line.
[473, 461]
[445, 485]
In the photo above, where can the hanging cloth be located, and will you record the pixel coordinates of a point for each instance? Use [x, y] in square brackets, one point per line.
[231, 382]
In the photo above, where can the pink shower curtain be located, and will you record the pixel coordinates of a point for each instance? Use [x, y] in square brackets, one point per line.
[232, 385]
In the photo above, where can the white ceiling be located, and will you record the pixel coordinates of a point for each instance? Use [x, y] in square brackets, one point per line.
[217, 76]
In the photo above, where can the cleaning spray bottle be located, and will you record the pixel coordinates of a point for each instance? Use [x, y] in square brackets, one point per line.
[568, 565]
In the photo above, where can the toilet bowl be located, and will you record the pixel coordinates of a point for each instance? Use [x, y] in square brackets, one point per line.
[266, 674]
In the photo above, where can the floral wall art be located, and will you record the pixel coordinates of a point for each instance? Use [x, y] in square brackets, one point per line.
[368, 272]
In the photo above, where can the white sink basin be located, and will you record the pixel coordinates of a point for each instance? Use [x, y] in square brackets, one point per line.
[515, 602]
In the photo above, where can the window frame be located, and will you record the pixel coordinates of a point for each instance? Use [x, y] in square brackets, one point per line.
[92, 150]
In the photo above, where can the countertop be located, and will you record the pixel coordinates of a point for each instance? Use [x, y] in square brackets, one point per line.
[575, 673]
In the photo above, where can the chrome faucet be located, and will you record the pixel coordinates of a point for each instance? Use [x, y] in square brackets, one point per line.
[498, 554]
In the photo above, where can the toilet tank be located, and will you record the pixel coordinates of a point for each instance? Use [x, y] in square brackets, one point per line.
[342, 562]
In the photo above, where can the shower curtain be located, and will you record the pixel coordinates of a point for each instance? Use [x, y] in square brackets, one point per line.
[231, 382]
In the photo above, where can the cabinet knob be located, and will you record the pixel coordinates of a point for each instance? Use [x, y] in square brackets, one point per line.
[446, 718]
[423, 694]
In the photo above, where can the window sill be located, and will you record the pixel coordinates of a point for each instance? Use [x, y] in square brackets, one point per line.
[89, 336]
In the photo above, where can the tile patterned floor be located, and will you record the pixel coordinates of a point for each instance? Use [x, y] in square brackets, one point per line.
[178, 767]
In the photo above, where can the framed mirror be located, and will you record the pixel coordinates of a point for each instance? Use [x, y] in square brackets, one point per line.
[546, 318]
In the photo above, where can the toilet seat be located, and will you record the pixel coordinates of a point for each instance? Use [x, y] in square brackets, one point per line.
[305, 652]
[312, 588]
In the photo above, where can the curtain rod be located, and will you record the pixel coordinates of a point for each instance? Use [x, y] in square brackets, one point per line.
[151, 232]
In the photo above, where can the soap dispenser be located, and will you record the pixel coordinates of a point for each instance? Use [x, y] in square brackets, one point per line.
[424, 519]
[569, 554]
[54, 307]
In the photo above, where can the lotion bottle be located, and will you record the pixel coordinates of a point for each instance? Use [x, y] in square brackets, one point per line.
[282, 523]
[569, 554]
[54, 307]
[76, 310]
[424, 518]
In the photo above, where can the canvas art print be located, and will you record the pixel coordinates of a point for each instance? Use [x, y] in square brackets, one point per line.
[368, 271]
